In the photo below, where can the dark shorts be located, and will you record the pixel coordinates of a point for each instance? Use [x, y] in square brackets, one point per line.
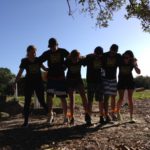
[74, 84]
[122, 85]
[95, 90]
[57, 87]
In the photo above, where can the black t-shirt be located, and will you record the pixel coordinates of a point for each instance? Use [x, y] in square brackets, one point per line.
[110, 65]
[55, 62]
[74, 69]
[94, 68]
[125, 71]
[33, 72]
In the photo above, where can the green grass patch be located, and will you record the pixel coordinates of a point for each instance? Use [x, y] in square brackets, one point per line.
[57, 102]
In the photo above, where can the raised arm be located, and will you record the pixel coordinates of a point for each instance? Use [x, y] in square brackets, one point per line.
[137, 70]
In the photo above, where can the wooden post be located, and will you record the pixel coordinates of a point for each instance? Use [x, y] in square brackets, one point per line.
[16, 92]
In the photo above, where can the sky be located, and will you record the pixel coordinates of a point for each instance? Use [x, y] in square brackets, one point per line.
[25, 22]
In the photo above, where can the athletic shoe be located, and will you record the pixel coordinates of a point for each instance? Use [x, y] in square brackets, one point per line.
[65, 121]
[107, 119]
[87, 119]
[132, 120]
[119, 117]
[71, 120]
[113, 116]
[101, 121]
[25, 125]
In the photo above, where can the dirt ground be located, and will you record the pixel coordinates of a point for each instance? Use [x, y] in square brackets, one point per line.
[113, 136]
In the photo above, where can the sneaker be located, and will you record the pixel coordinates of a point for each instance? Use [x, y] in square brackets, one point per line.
[107, 119]
[25, 125]
[87, 119]
[71, 121]
[119, 117]
[125, 105]
[132, 120]
[65, 121]
[101, 121]
[113, 116]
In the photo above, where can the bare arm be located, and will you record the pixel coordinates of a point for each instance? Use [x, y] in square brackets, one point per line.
[18, 75]
[44, 68]
[137, 70]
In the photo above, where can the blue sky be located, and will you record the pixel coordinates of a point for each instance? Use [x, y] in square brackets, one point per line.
[25, 22]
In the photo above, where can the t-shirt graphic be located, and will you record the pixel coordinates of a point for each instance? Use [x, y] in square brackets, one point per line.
[55, 58]
[34, 68]
[97, 64]
[111, 62]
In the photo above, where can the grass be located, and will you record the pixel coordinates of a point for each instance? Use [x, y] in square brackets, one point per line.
[57, 103]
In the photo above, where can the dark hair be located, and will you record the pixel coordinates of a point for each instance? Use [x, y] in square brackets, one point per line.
[114, 47]
[29, 48]
[52, 42]
[128, 52]
[74, 53]
[98, 50]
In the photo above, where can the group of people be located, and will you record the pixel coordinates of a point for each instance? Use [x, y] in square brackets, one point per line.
[101, 78]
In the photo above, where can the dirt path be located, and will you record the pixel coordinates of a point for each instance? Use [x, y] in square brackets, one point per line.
[39, 136]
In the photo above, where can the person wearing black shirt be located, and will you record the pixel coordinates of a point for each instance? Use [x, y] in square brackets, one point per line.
[111, 62]
[94, 63]
[126, 81]
[56, 84]
[75, 83]
[33, 81]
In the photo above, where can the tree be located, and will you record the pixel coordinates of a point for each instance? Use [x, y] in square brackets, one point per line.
[103, 10]
[143, 81]
[6, 77]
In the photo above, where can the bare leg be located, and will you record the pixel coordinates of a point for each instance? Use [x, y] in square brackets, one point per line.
[113, 103]
[119, 103]
[85, 106]
[101, 107]
[64, 106]
[106, 99]
[90, 101]
[130, 94]
[50, 112]
[71, 104]
[84, 100]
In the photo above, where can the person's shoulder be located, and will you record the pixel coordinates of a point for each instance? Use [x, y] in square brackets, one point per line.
[90, 55]
[62, 49]
[119, 55]
[106, 53]
[23, 60]
[47, 51]
[36, 59]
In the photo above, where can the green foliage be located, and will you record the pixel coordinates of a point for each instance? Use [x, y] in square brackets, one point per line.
[143, 81]
[103, 10]
[6, 78]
